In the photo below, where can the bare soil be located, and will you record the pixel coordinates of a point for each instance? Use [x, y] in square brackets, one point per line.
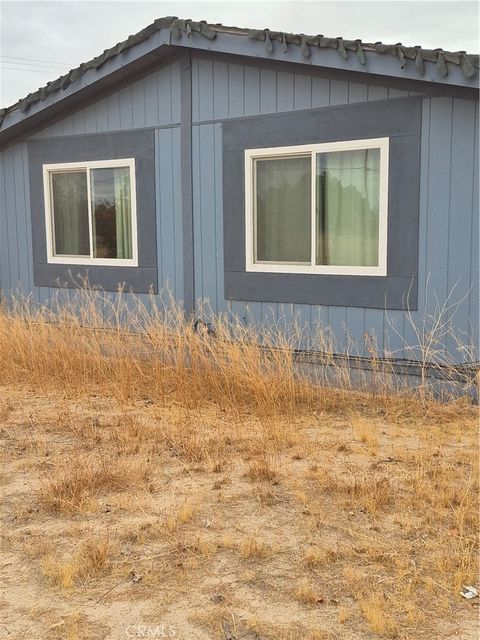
[139, 519]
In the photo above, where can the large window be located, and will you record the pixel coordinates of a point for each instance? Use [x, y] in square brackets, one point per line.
[91, 212]
[318, 208]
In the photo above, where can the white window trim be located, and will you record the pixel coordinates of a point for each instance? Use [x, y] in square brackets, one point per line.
[311, 149]
[48, 169]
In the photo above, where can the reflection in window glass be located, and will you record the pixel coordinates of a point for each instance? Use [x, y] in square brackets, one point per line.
[70, 213]
[347, 203]
[111, 210]
[283, 210]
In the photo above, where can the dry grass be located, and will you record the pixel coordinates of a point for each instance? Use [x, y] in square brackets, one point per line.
[166, 478]
[71, 485]
[90, 561]
[253, 547]
[375, 610]
[306, 594]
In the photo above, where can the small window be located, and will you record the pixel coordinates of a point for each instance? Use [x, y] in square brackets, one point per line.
[318, 208]
[91, 213]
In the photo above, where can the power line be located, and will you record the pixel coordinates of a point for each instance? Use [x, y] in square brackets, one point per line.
[44, 71]
[36, 60]
[31, 64]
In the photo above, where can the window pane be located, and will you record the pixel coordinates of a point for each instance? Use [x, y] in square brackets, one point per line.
[348, 188]
[283, 191]
[70, 213]
[112, 215]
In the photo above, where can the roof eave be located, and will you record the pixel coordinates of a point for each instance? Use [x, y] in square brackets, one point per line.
[226, 41]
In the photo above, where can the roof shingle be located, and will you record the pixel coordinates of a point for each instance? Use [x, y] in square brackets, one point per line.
[178, 27]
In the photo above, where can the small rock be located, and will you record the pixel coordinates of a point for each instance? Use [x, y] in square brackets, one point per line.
[217, 598]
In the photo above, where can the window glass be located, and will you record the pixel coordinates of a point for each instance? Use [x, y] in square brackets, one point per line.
[283, 210]
[347, 207]
[111, 210]
[70, 213]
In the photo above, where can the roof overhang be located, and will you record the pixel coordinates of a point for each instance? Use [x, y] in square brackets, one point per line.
[144, 56]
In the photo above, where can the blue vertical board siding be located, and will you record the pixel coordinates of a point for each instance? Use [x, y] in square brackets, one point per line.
[197, 217]
[302, 97]
[4, 254]
[460, 215]
[474, 307]
[221, 305]
[269, 311]
[268, 91]
[285, 91]
[11, 226]
[252, 91]
[448, 233]
[374, 332]
[320, 92]
[202, 90]
[126, 108]
[176, 214]
[438, 213]
[377, 93]
[138, 106]
[206, 214]
[90, 115]
[15, 231]
[22, 219]
[153, 101]
[220, 90]
[113, 112]
[338, 92]
[101, 115]
[236, 90]
[414, 322]
[357, 92]
[169, 219]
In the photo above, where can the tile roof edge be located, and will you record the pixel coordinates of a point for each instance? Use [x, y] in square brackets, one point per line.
[469, 63]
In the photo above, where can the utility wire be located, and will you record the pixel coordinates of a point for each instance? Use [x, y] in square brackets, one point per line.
[29, 65]
[44, 71]
[35, 60]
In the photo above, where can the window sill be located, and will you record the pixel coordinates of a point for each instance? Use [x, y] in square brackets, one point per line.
[94, 262]
[316, 270]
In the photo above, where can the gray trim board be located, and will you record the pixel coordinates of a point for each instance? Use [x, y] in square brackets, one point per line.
[398, 119]
[70, 136]
[186, 181]
[108, 146]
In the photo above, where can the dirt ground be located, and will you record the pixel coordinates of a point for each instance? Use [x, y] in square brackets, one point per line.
[150, 521]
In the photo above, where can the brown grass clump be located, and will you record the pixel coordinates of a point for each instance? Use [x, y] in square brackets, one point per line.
[134, 348]
[372, 493]
[263, 468]
[90, 561]
[72, 484]
[375, 610]
[253, 547]
[307, 594]
[153, 475]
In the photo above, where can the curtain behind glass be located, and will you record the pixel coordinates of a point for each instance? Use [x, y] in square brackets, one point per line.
[112, 215]
[283, 230]
[70, 213]
[348, 184]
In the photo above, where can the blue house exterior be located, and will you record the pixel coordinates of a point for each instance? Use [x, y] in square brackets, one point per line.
[185, 100]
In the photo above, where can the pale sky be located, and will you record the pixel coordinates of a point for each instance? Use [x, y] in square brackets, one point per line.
[40, 41]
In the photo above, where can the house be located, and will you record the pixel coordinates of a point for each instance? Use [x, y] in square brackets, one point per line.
[278, 176]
